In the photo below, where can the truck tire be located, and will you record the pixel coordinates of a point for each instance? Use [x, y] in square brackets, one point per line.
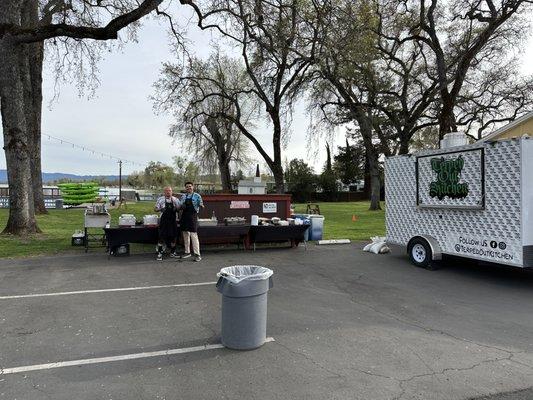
[420, 253]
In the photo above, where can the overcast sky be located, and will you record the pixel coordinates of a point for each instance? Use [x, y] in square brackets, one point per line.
[119, 119]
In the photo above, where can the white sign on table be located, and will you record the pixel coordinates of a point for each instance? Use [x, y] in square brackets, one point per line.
[270, 208]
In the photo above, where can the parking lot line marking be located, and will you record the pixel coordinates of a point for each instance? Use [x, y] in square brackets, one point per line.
[100, 360]
[126, 289]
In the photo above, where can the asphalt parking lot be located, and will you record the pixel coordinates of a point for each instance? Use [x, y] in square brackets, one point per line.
[345, 325]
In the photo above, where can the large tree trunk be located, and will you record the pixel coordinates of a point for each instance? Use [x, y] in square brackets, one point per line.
[404, 144]
[277, 168]
[447, 122]
[223, 167]
[404, 148]
[33, 99]
[366, 178]
[33, 121]
[222, 149]
[225, 176]
[274, 164]
[13, 71]
[375, 182]
[278, 179]
[365, 126]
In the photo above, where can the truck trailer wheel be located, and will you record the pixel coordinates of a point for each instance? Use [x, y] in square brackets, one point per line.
[420, 253]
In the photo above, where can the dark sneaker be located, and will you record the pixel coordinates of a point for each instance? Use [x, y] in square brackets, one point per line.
[186, 255]
[159, 257]
[197, 258]
[174, 255]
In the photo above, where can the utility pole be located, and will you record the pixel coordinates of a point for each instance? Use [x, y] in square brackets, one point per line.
[120, 182]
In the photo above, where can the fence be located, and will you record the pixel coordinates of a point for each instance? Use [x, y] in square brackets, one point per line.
[333, 197]
[51, 194]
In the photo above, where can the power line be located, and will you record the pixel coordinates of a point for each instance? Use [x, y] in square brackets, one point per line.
[94, 152]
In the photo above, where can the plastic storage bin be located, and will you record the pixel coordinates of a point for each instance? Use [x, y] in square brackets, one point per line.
[316, 230]
[126, 220]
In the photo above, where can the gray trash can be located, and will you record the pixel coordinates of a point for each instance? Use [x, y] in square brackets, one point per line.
[244, 291]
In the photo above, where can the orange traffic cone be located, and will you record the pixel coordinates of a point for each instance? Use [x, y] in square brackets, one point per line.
[354, 218]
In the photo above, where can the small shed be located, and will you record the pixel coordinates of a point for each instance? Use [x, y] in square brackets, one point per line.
[517, 128]
[252, 187]
[255, 186]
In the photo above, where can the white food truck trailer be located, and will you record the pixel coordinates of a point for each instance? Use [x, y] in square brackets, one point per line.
[473, 201]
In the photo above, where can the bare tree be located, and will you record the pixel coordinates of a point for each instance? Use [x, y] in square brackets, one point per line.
[406, 92]
[395, 78]
[462, 36]
[343, 103]
[24, 27]
[345, 82]
[219, 143]
[277, 49]
[493, 96]
[208, 98]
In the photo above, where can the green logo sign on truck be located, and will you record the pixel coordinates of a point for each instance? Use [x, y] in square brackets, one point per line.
[448, 175]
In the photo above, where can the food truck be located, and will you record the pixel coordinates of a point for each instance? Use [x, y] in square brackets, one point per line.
[468, 200]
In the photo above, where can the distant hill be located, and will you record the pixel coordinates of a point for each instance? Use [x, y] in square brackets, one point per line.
[55, 176]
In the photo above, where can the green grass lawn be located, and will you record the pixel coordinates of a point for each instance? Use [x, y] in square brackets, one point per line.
[57, 228]
[338, 222]
[59, 225]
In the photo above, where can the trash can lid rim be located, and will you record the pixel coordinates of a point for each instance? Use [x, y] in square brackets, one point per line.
[238, 273]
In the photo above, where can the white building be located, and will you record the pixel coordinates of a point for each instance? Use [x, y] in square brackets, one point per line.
[255, 186]
[355, 186]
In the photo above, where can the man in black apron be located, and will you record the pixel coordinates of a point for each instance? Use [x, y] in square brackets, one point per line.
[190, 204]
[168, 205]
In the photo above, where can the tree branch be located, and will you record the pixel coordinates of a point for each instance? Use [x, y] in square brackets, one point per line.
[110, 31]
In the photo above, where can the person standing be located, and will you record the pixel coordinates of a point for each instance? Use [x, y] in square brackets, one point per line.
[190, 204]
[168, 205]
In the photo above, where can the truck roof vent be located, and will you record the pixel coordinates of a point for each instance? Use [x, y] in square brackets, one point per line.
[453, 139]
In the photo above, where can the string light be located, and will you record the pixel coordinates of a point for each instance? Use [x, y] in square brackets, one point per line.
[94, 152]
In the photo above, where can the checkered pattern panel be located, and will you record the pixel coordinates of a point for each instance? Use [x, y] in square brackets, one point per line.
[499, 222]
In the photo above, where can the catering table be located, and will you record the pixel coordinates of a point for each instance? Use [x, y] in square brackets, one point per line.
[244, 234]
[269, 233]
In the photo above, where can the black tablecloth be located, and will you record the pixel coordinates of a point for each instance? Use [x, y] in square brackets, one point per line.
[143, 234]
[135, 234]
[220, 233]
[223, 231]
[268, 233]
